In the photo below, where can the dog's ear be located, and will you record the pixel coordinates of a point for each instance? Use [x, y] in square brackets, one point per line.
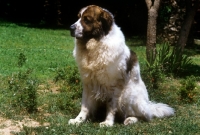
[107, 20]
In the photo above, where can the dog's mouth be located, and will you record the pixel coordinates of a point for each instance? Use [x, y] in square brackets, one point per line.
[76, 34]
[72, 33]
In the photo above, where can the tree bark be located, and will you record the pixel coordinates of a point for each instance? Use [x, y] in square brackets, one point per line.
[185, 29]
[152, 6]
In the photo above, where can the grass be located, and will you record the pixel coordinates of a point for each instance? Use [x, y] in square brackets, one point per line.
[45, 49]
[48, 54]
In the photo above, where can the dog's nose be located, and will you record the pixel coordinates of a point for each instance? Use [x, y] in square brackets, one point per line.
[73, 27]
[72, 30]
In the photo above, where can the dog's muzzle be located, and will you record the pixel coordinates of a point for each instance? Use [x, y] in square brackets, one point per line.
[72, 30]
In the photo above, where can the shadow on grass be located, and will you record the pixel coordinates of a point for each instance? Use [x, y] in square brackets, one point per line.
[192, 50]
[192, 70]
[136, 41]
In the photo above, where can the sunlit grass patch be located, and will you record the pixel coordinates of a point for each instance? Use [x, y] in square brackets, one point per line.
[48, 54]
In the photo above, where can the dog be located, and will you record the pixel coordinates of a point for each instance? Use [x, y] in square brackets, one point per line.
[109, 71]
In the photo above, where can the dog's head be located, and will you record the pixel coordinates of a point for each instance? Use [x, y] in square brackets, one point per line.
[93, 22]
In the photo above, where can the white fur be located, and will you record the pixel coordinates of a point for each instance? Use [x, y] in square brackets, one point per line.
[102, 66]
[79, 29]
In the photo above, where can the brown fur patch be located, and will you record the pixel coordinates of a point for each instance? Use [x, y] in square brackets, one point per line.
[96, 22]
[131, 61]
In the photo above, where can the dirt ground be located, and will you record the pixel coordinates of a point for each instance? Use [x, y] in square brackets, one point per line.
[9, 127]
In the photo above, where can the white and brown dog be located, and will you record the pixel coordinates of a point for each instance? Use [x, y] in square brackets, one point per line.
[109, 71]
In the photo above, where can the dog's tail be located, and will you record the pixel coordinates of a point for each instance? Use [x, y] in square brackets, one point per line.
[161, 110]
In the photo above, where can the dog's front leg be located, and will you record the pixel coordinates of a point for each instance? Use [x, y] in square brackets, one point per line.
[111, 111]
[85, 104]
[81, 116]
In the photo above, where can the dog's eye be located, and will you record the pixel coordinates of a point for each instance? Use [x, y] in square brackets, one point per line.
[86, 20]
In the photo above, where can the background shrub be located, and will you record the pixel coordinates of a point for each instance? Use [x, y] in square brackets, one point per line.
[70, 88]
[24, 90]
[169, 61]
[187, 90]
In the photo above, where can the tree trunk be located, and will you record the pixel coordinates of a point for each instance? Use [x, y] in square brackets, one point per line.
[185, 29]
[153, 6]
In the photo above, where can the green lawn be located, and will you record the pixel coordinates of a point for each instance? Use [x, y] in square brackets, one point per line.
[44, 49]
[48, 54]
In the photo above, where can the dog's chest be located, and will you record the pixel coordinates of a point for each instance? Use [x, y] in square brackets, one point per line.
[96, 62]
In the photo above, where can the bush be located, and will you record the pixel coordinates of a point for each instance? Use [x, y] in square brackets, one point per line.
[70, 87]
[70, 78]
[24, 90]
[176, 62]
[68, 74]
[66, 103]
[21, 59]
[167, 62]
[187, 91]
[171, 61]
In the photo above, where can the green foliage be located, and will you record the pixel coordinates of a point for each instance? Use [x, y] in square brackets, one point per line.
[70, 78]
[67, 102]
[21, 59]
[170, 61]
[68, 74]
[70, 88]
[167, 62]
[187, 91]
[48, 49]
[24, 90]
[45, 49]
[175, 61]
[154, 70]
[153, 75]
[165, 11]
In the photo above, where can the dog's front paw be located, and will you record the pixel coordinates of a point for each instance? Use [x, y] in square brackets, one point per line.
[106, 124]
[74, 122]
[130, 120]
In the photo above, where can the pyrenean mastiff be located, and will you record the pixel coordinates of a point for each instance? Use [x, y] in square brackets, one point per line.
[110, 72]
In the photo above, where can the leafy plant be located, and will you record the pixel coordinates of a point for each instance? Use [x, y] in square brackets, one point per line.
[68, 74]
[21, 59]
[70, 88]
[66, 102]
[170, 61]
[155, 68]
[153, 76]
[45, 58]
[70, 78]
[176, 62]
[24, 90]
[187, 91]
[167, 62]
